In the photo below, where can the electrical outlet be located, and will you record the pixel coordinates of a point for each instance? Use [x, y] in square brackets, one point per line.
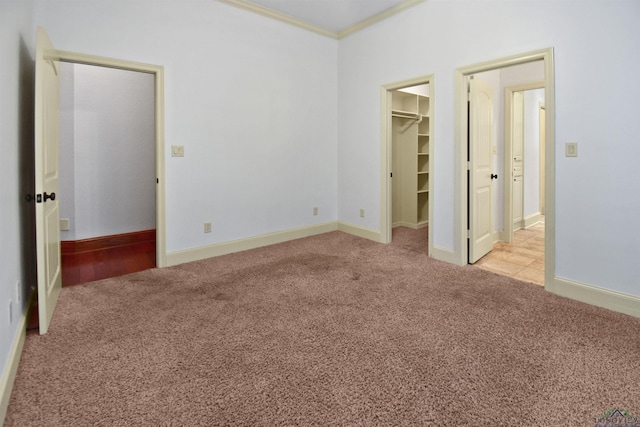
[207, 227]
[361, 213]
[64, 224]
[18, 292]
[315, 211]
[177, 151]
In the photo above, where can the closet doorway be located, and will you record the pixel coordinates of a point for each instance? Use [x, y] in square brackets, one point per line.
[407, 151]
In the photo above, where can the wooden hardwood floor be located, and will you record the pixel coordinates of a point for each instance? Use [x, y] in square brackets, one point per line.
[102, 258]
[100, 264]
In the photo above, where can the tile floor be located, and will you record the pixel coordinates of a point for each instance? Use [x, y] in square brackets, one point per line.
[522, 259]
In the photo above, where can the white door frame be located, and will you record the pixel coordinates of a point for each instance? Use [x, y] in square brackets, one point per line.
[158, 73]
[461, 126]
[386, 155]
[507, 235]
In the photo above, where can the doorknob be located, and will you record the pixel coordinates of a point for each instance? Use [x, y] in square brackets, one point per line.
[493, 176]
[51, 196]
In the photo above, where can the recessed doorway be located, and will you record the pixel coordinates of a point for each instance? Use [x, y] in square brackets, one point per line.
[465, 213]
[107, 172]
[407, 160]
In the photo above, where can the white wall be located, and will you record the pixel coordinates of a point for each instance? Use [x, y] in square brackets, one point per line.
[17, 251]
[593, 210]
[107, 151]
[532, 100]
[252, 100]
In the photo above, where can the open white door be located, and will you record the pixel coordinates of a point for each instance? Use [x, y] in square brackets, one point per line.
[481, 170]
[46, 179]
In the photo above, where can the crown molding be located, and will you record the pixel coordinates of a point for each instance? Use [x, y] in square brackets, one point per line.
[282, 17]
[407, 4]
[288, 19]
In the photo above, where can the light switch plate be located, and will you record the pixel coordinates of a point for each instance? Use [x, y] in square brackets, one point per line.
[571, 149]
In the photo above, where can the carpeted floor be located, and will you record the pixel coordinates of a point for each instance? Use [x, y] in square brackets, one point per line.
[327, 330]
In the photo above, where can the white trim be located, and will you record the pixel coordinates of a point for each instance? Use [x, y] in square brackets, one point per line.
[611, 300]
[442, 254]
[410, 225]
[365, 233]
[378, 17]
[288, 19]
[508, 150]
[532, 220]
[282, 17]
[460, 200]
[223, 248]
[386, 159]
[10, 370]
[158, 72]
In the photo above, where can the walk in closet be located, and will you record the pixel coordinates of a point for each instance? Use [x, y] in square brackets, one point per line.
[410, 156]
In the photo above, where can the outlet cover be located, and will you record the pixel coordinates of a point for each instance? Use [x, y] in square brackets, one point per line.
[177, 151]
[361, 213]
[10, 311]
[18, 291]
[571, 149]
[315, 211]
[207, 227]
[64, 224]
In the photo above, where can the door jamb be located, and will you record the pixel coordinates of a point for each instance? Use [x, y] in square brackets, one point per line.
[507, 234]
[386, 155]
[460, 202]
[158, 72]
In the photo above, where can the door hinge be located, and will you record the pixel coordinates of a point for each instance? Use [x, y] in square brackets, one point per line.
[468, 234]
[391, 175]
[468, 166]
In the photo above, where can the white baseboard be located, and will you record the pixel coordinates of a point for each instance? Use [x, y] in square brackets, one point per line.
[410, 224]
[9, 374]
[532, 219]
[442, 254]
[223, 248]
[365, 233]
[605, 298]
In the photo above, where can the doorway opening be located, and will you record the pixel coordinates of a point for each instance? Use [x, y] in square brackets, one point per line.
[46, 167]
[158, 118]
[501, 206]
[107, 172]
[519, 251]
[407, 162]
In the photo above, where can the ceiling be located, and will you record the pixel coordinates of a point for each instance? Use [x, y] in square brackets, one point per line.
[333, 18]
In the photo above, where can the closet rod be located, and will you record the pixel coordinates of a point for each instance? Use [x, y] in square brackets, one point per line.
[412, 116]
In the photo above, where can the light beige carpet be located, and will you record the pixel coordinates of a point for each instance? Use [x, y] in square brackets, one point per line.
[327, 330]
